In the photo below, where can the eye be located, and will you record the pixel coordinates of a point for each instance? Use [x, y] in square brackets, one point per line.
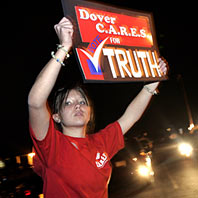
[82, 102]
[67, 103]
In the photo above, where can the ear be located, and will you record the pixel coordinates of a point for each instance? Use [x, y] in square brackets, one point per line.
[56, 118]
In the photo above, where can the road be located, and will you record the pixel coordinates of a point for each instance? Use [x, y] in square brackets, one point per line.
[177, 179]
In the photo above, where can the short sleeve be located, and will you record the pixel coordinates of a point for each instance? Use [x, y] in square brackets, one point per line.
[112, 138]
[43, 148]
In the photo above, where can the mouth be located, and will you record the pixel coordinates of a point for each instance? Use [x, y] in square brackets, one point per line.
[78, 113]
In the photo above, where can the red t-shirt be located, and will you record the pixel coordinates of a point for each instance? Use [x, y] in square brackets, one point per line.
[76, 167]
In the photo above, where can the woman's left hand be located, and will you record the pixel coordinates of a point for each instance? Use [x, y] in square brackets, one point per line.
[163, 66]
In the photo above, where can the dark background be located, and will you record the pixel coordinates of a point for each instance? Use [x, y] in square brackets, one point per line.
[28, 39]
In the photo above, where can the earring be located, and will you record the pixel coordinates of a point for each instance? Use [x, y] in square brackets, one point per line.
[57, 120]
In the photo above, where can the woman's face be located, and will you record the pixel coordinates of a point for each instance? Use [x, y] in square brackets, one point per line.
[75, 111]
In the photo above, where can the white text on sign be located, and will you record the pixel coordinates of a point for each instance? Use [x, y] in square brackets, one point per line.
[132, 63]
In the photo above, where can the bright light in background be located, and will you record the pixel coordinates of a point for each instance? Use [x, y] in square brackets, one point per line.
[2, 164]
[148, 161]
[134, 159]
[185, 149]
[143, 171]
[18, 159]
[168, 129]
[30, 158]
[27, 192]
[191, 126]
[31, 155]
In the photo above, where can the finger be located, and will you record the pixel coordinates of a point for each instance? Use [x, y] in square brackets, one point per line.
[161, 64]
[55, 28]
[164, 70]
[63, 29]
[65, 21]
[65, 26]
[162, 67]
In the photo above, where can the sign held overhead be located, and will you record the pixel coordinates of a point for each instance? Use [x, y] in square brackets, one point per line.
[113, 45]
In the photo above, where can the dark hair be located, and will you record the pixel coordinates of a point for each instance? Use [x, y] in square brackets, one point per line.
[62, 93]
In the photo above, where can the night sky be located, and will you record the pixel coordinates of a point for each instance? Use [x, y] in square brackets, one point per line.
[29, 38]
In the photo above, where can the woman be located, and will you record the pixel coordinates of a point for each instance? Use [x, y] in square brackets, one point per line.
[71, 162]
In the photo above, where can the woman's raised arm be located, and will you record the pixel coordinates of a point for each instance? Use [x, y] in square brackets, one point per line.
[138, 105]
[40, 91]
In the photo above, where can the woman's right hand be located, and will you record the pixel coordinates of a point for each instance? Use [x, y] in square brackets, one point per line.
[64, 31]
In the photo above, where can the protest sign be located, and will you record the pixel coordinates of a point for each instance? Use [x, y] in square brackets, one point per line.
[113, 44]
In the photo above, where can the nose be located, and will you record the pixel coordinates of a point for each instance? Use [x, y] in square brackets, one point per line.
[77, 106]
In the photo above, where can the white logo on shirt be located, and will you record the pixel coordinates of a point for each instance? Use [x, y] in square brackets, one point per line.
[101, 159]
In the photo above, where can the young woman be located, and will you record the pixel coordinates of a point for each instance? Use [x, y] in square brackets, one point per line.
[72, 163]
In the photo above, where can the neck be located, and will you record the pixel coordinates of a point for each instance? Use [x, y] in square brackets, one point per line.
[75, 131]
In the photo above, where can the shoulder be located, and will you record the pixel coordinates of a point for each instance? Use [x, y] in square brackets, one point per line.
[108, 131]
[110, 128]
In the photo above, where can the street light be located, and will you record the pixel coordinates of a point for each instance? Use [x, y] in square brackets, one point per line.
[192, 127]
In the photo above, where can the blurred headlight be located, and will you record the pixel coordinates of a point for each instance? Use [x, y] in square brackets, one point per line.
[185, 149]
[134, 159]
[148, 161]
[2, 164]
[143, 171]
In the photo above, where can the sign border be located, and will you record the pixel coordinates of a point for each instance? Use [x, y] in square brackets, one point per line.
[69, 11]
